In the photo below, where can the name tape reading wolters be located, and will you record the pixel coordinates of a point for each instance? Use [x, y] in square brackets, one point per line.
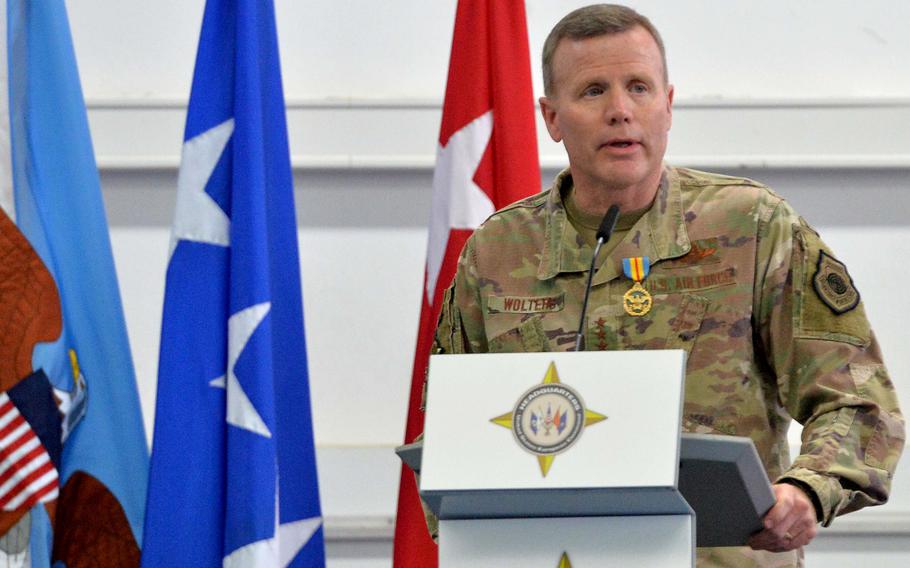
[525, 305]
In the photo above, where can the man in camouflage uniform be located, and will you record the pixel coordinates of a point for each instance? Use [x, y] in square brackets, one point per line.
[770, 319]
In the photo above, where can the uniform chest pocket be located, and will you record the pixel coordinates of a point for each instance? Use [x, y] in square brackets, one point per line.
[674, 322]
[527, 337]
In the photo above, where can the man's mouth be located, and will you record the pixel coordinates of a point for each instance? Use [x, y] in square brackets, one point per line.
[620, 143]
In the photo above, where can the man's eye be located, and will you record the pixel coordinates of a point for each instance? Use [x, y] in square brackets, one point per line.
[639, 88]
[593, 91]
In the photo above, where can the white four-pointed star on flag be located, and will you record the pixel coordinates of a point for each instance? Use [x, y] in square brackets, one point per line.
[198, 218]
[240, 411]
[279, 550]
[458, 203]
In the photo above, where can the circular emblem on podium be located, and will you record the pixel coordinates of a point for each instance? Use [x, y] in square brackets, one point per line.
[548, 419]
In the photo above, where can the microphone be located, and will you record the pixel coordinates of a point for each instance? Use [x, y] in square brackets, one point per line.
[605, 231]
[603, 235]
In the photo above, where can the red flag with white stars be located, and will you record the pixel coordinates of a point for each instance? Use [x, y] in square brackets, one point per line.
[486, 159]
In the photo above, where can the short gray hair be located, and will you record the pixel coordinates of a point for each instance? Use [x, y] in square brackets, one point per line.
[594, 21]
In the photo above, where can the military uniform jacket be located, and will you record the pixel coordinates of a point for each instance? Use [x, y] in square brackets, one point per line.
[771, 323]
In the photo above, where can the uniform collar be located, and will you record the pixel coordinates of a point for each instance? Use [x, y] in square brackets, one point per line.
[659, 234]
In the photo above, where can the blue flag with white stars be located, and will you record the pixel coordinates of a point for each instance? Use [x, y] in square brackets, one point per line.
[233, 473]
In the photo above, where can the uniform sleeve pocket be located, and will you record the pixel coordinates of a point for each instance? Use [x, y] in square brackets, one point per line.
[828, 304]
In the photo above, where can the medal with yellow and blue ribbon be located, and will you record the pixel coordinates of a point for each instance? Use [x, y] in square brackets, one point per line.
[637, 301]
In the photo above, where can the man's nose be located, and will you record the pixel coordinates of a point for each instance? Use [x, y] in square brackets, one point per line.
[617, 111]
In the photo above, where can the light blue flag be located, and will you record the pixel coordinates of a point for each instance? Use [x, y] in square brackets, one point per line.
[233, 476]
[53, 197]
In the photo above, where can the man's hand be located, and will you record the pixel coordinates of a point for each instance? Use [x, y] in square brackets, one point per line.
[789, 524]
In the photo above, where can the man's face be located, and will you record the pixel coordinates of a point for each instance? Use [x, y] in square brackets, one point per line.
[611, 108]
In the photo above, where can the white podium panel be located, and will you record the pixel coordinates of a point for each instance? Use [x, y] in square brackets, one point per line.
[601, 542]
[640, 394]
[531, 455]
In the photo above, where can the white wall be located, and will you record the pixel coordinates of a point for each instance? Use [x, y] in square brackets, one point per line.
[811, 97]
[362, 49]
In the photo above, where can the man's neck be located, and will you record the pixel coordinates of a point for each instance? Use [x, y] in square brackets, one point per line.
[596, 199]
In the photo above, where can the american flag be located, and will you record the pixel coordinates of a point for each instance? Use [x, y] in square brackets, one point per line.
[27, 473]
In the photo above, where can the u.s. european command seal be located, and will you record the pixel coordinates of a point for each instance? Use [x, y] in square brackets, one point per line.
[548, 419]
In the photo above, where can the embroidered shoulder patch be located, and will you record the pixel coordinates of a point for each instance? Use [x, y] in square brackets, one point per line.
[834, 285]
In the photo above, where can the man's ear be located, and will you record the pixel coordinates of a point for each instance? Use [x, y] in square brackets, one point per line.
[550, 118]
[670, 92]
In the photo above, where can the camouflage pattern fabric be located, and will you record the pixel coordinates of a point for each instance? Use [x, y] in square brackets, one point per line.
[737, 282]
